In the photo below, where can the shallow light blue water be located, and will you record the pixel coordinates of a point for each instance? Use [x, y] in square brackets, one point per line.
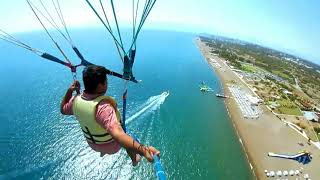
[192, 129]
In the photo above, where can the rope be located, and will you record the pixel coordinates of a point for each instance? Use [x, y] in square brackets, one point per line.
[135, 21]
[10, 39]
[51, 21]
[119, 43]
[105, 15]
[63, 54]
[20, 45]
[147, 9]
[115, 18]
[63, 21]
[114, 38]
[68, 38]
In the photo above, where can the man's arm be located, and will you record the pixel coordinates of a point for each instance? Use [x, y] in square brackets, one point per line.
[128, 142]
[74, 87]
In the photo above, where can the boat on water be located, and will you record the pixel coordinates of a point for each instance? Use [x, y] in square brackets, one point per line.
[204, 88]
[221, 96]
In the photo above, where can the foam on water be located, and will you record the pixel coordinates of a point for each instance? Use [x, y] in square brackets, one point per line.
[153, 103]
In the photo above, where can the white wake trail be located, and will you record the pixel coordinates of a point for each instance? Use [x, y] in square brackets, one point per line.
[153, 103]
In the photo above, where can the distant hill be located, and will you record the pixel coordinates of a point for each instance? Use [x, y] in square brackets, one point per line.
[262, 49]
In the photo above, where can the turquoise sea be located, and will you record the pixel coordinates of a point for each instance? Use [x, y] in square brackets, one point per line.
[191, 129]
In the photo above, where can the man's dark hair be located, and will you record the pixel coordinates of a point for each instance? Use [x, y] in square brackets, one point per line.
[92, 76]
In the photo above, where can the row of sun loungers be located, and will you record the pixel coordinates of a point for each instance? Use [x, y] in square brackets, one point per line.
[247, 108]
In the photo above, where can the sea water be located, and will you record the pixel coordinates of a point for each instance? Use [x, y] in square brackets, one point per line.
[166, 110]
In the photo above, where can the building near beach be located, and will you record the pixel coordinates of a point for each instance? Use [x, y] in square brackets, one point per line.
[287, 92]
[310, 116]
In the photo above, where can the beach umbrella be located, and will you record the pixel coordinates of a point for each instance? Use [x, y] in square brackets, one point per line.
[297, 172]
[272, 173]
[279, 173]
[291, 172]
[285, 173]
[306, 176]
[268, 174]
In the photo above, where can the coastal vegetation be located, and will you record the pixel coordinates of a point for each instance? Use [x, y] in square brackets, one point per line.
[249, 68]
[288, 107]
[289, 81]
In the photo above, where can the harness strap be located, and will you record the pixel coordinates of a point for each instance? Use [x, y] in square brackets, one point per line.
[95, 135]
[124, 105]
[91, 137]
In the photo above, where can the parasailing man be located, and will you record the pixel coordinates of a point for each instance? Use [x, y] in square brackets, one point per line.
[99, 118]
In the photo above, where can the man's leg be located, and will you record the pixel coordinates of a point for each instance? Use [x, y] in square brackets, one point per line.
[102, 154]
[135, 158]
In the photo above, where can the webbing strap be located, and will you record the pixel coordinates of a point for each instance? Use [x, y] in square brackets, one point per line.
[91, 137]
[124, 109]
[54, 59]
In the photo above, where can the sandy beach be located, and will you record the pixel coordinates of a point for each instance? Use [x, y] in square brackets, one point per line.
[264, 134]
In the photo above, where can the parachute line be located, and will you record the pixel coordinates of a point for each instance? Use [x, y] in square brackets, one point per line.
[63, 22]
[147, 9]
[10, 39]
[116, 20]
[58, 47]
[49, 18]
[127, 57]
[110, 29]
[114, 38]
[135, 20]
[60, 15]
[51, 21]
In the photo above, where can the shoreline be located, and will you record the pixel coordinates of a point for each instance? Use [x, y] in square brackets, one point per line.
[230, 109]
[228, 106]
[243, 146]
[255, 134]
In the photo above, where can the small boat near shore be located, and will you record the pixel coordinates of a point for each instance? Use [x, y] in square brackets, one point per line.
[205, 88]
[221, 96]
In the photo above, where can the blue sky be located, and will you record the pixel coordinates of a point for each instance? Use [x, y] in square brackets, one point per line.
[289, 25]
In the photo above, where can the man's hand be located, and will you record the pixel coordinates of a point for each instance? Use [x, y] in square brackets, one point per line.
[129, 143]
[149, 151]
[75, 86]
